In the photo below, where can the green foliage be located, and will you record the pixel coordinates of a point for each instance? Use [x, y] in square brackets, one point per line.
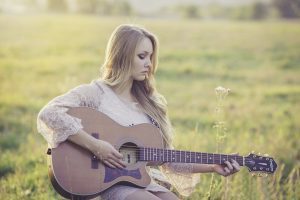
[189, 11]
[44, 56]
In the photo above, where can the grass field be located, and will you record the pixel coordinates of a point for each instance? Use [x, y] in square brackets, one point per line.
[44, 56]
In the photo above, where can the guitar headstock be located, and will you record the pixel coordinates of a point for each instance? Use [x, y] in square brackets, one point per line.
[261, 164]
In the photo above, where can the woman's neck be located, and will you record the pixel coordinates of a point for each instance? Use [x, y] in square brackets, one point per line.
[124, 91]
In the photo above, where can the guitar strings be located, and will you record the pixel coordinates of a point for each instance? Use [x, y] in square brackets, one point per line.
[159, 149]
[178, 153]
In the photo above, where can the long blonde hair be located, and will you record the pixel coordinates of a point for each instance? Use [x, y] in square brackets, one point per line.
[116, 70]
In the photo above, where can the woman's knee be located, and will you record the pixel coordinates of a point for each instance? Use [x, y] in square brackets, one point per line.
[166, 195]
[142, 194]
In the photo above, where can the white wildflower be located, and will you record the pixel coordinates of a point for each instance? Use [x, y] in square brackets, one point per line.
[222, 92]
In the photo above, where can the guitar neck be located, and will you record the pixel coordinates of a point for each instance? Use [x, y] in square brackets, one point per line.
[177, 156]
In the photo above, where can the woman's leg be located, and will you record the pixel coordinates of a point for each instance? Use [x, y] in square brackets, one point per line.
[142, 194]
[166, 195]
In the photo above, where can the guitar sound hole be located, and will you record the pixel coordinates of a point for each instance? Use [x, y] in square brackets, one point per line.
[130, 153]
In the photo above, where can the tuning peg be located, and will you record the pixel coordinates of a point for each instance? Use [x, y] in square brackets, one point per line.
[267, 155]
[259, 153]
[253, 152]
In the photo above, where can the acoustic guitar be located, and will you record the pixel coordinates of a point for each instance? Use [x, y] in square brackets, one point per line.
[76, 173]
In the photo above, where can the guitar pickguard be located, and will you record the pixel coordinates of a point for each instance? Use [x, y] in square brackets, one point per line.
[112, 174]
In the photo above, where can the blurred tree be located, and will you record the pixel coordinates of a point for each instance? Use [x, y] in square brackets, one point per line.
[93, 6]
[259, 11]
[189, 11]
[104, 7]
[57, 5]
[123, 8]
[240, 12]
[288, 8]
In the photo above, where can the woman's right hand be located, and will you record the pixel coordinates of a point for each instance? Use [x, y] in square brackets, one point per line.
[108, 154]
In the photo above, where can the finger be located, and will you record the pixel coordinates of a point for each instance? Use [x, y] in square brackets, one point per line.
[117, 160]
[227, 171]
[117, 154]
[116, 164]
[235, 165]
[229, 165]
[121, 162]
[108, 164]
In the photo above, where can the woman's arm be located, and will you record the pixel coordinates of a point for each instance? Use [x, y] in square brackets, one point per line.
[56, 125]
[224, 170]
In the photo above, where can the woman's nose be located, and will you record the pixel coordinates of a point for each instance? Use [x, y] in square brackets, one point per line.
[148, 65]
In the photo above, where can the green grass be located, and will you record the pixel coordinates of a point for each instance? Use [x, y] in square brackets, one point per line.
[44, 56]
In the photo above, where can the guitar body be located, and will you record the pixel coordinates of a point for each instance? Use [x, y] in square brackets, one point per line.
[75, 173]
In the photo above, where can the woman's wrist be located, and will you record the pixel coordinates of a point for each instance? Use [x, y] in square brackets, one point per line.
[93, 145]
[85, 140]
[212, 168]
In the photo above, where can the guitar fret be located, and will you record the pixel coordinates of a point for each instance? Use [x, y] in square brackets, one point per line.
[146, 153]
[168, 155]
[201, 158]
[195, 157]
[180, 156]
[159, 154]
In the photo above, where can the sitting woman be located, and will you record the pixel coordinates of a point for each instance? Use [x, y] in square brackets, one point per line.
[126, 93]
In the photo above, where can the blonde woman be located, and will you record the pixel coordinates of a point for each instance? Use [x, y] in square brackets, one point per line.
[126, 93]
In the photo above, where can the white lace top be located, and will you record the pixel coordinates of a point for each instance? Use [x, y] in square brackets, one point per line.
[56, 126]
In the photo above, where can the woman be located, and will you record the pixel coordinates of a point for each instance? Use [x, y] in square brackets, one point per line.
[126, 93]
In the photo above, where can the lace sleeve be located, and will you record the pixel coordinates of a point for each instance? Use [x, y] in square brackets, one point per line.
[55, 124]
[181, 176]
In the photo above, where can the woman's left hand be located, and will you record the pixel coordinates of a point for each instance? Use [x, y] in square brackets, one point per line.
[229, 169]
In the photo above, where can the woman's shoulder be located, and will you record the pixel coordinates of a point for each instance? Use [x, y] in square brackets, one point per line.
[93, 86]
[91, 89]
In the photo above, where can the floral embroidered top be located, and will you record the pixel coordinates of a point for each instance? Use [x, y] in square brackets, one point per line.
[56, 126]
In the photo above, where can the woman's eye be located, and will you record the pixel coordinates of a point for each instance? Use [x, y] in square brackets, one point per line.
[141, 56]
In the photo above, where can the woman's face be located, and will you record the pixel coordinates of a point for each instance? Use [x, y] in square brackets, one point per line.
[142, 60]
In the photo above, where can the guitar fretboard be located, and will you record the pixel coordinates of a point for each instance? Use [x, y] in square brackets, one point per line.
[167, 155]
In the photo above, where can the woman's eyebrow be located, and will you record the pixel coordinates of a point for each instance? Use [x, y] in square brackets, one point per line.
[147, 52]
